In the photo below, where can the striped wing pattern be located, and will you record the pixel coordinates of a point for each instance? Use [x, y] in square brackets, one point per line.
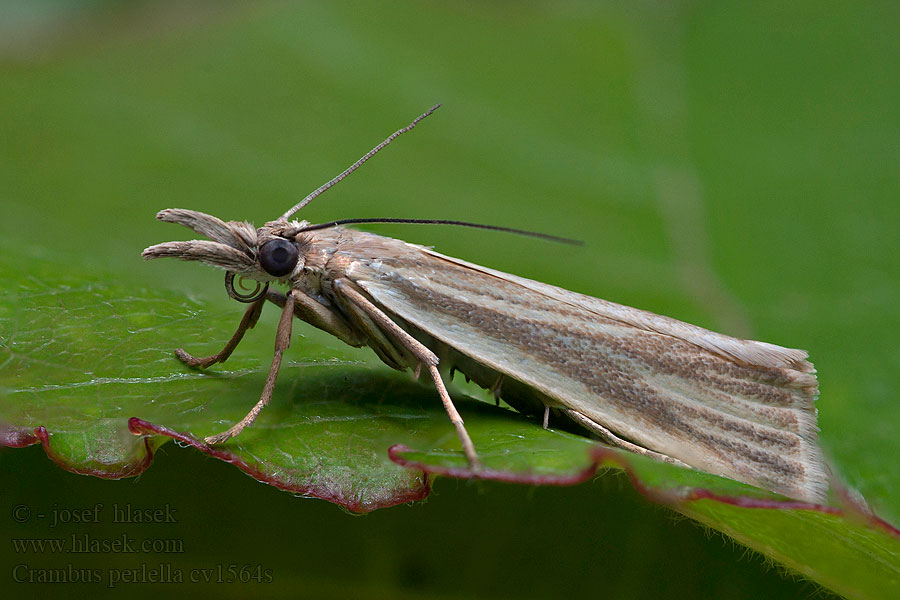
[737, 408]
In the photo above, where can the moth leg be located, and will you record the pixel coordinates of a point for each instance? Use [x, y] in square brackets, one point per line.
[546, 416]
[613, 440]
[319, 316]
[251, 316]
[495, 390]
[282, 341]
[424, 356]
[455, 418]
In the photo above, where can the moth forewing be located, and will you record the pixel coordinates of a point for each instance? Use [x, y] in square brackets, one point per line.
[738, 408]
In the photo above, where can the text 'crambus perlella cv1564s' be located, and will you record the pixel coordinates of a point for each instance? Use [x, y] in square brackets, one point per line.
[651, 384]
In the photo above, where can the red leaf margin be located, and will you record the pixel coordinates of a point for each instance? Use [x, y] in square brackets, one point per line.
[600, 457]
[606, 457]
[21, 438]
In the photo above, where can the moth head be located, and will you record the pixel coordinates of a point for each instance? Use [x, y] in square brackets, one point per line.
[264, 254]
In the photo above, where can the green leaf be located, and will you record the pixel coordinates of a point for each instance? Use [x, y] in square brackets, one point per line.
[89, 365]
[846, 549]
[732, 167]
[88, 368]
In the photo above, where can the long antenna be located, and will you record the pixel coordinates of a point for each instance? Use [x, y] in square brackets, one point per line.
[357, 164]
[535, 234]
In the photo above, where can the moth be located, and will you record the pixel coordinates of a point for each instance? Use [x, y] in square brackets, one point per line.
[650, 384]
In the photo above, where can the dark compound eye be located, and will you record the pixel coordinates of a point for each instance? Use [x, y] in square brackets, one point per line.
[278, 257]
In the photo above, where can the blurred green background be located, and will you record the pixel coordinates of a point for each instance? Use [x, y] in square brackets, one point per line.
[730, 164]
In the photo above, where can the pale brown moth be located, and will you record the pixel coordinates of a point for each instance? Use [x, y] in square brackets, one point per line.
[651, 384]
